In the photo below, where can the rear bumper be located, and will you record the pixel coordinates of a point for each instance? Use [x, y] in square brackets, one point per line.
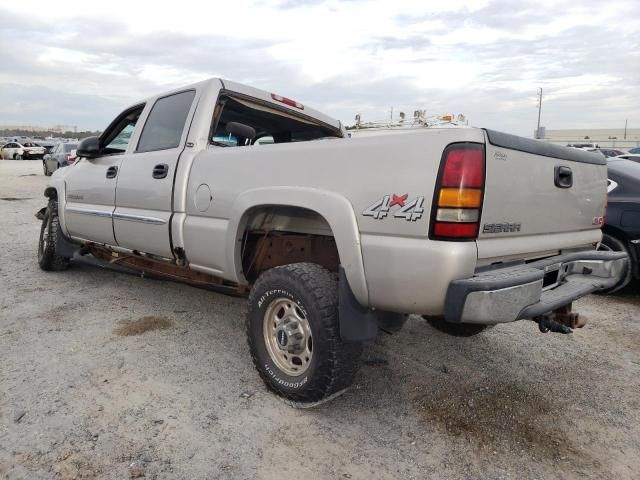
[528, 290]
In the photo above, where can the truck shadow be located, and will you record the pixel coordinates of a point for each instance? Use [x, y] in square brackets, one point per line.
[629, 294]
[509, 393]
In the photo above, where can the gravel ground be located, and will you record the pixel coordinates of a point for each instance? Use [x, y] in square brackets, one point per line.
[109, 375]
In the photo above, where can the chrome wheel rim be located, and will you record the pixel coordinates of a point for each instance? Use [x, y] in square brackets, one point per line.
[287, 336]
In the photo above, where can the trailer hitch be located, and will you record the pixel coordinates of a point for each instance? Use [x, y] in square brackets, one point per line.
[547, 323]
[560, 320]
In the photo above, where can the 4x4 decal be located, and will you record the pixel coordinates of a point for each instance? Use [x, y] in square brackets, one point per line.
[410, 210]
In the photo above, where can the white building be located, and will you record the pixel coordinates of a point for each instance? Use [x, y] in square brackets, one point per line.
[604, 137]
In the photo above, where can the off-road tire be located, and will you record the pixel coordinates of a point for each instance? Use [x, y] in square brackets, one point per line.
[48, 257]
[456, 329]
[611, 243]
[333, 364]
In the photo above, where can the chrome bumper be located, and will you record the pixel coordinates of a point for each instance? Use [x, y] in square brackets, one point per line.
[505, 294]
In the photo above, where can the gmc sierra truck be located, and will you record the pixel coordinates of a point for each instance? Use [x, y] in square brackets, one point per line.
[333, 238]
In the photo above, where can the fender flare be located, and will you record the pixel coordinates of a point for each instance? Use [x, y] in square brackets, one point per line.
[56, 189]
[334, 208]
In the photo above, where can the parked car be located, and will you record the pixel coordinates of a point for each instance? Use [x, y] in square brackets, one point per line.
[635, 157]
[11, 151]
[63, 154]
[31, 150]
[18, 151]
[334, 237]
[48, 145]
[609, 152]
[634, 150]
[621, 232]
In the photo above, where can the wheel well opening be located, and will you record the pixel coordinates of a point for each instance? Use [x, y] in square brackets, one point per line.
[277, 235]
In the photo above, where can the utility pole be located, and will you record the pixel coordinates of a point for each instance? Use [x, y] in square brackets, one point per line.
[539, 110]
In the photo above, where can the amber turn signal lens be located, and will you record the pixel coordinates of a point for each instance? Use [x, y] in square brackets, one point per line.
[460, 197]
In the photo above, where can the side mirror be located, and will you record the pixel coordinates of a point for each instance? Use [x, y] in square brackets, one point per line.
[89, 147]
[241, 130]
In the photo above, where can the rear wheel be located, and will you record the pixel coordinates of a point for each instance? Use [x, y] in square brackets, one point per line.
[612, 244]
[45, 169]
[294, 335]
[48, 256]
[17, 156]
[456, 329]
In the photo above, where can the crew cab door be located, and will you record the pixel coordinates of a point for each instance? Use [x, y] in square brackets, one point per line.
[144, 192]
[91, 182]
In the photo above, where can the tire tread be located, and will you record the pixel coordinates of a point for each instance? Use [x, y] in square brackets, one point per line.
[50, 259]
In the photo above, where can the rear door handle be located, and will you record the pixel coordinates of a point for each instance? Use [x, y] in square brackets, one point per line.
[563, 177]
[161, 170]
[112, 172]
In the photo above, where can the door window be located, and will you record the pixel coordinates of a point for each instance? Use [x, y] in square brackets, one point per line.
[163, 129]
[120, 142]
[116, 137]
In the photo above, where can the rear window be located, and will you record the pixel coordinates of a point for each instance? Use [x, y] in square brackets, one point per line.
[70, 146]
[271, 125]
[165, 124]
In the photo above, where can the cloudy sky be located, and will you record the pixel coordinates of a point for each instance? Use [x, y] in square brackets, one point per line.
[79, 63]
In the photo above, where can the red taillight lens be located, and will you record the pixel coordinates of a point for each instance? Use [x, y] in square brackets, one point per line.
[71, 159]
[457, 230]
[463, 168]
[459, 193]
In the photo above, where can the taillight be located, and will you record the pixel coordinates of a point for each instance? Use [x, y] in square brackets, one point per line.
[287, 101]
[457, 203]
[71, 159]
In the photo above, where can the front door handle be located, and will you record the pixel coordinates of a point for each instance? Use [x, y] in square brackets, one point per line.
[161, 170]
[112, 172]
[563, 177]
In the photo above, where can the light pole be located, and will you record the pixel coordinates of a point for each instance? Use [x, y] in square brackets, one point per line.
[539, 110]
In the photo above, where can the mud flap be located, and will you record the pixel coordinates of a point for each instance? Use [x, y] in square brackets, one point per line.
[64, 246]
[358, 323]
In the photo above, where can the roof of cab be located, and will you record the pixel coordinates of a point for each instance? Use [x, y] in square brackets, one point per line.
[263, 95]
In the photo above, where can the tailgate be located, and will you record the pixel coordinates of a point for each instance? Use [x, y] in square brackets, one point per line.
[536, 189]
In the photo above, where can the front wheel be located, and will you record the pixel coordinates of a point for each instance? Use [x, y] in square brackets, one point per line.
[48, 256]
[294, 334]
[612, 244]
[17, 156]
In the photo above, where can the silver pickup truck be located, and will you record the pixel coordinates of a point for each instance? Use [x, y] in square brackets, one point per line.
[334, 238]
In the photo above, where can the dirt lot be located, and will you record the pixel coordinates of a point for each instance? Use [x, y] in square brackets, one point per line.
[109, 375]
